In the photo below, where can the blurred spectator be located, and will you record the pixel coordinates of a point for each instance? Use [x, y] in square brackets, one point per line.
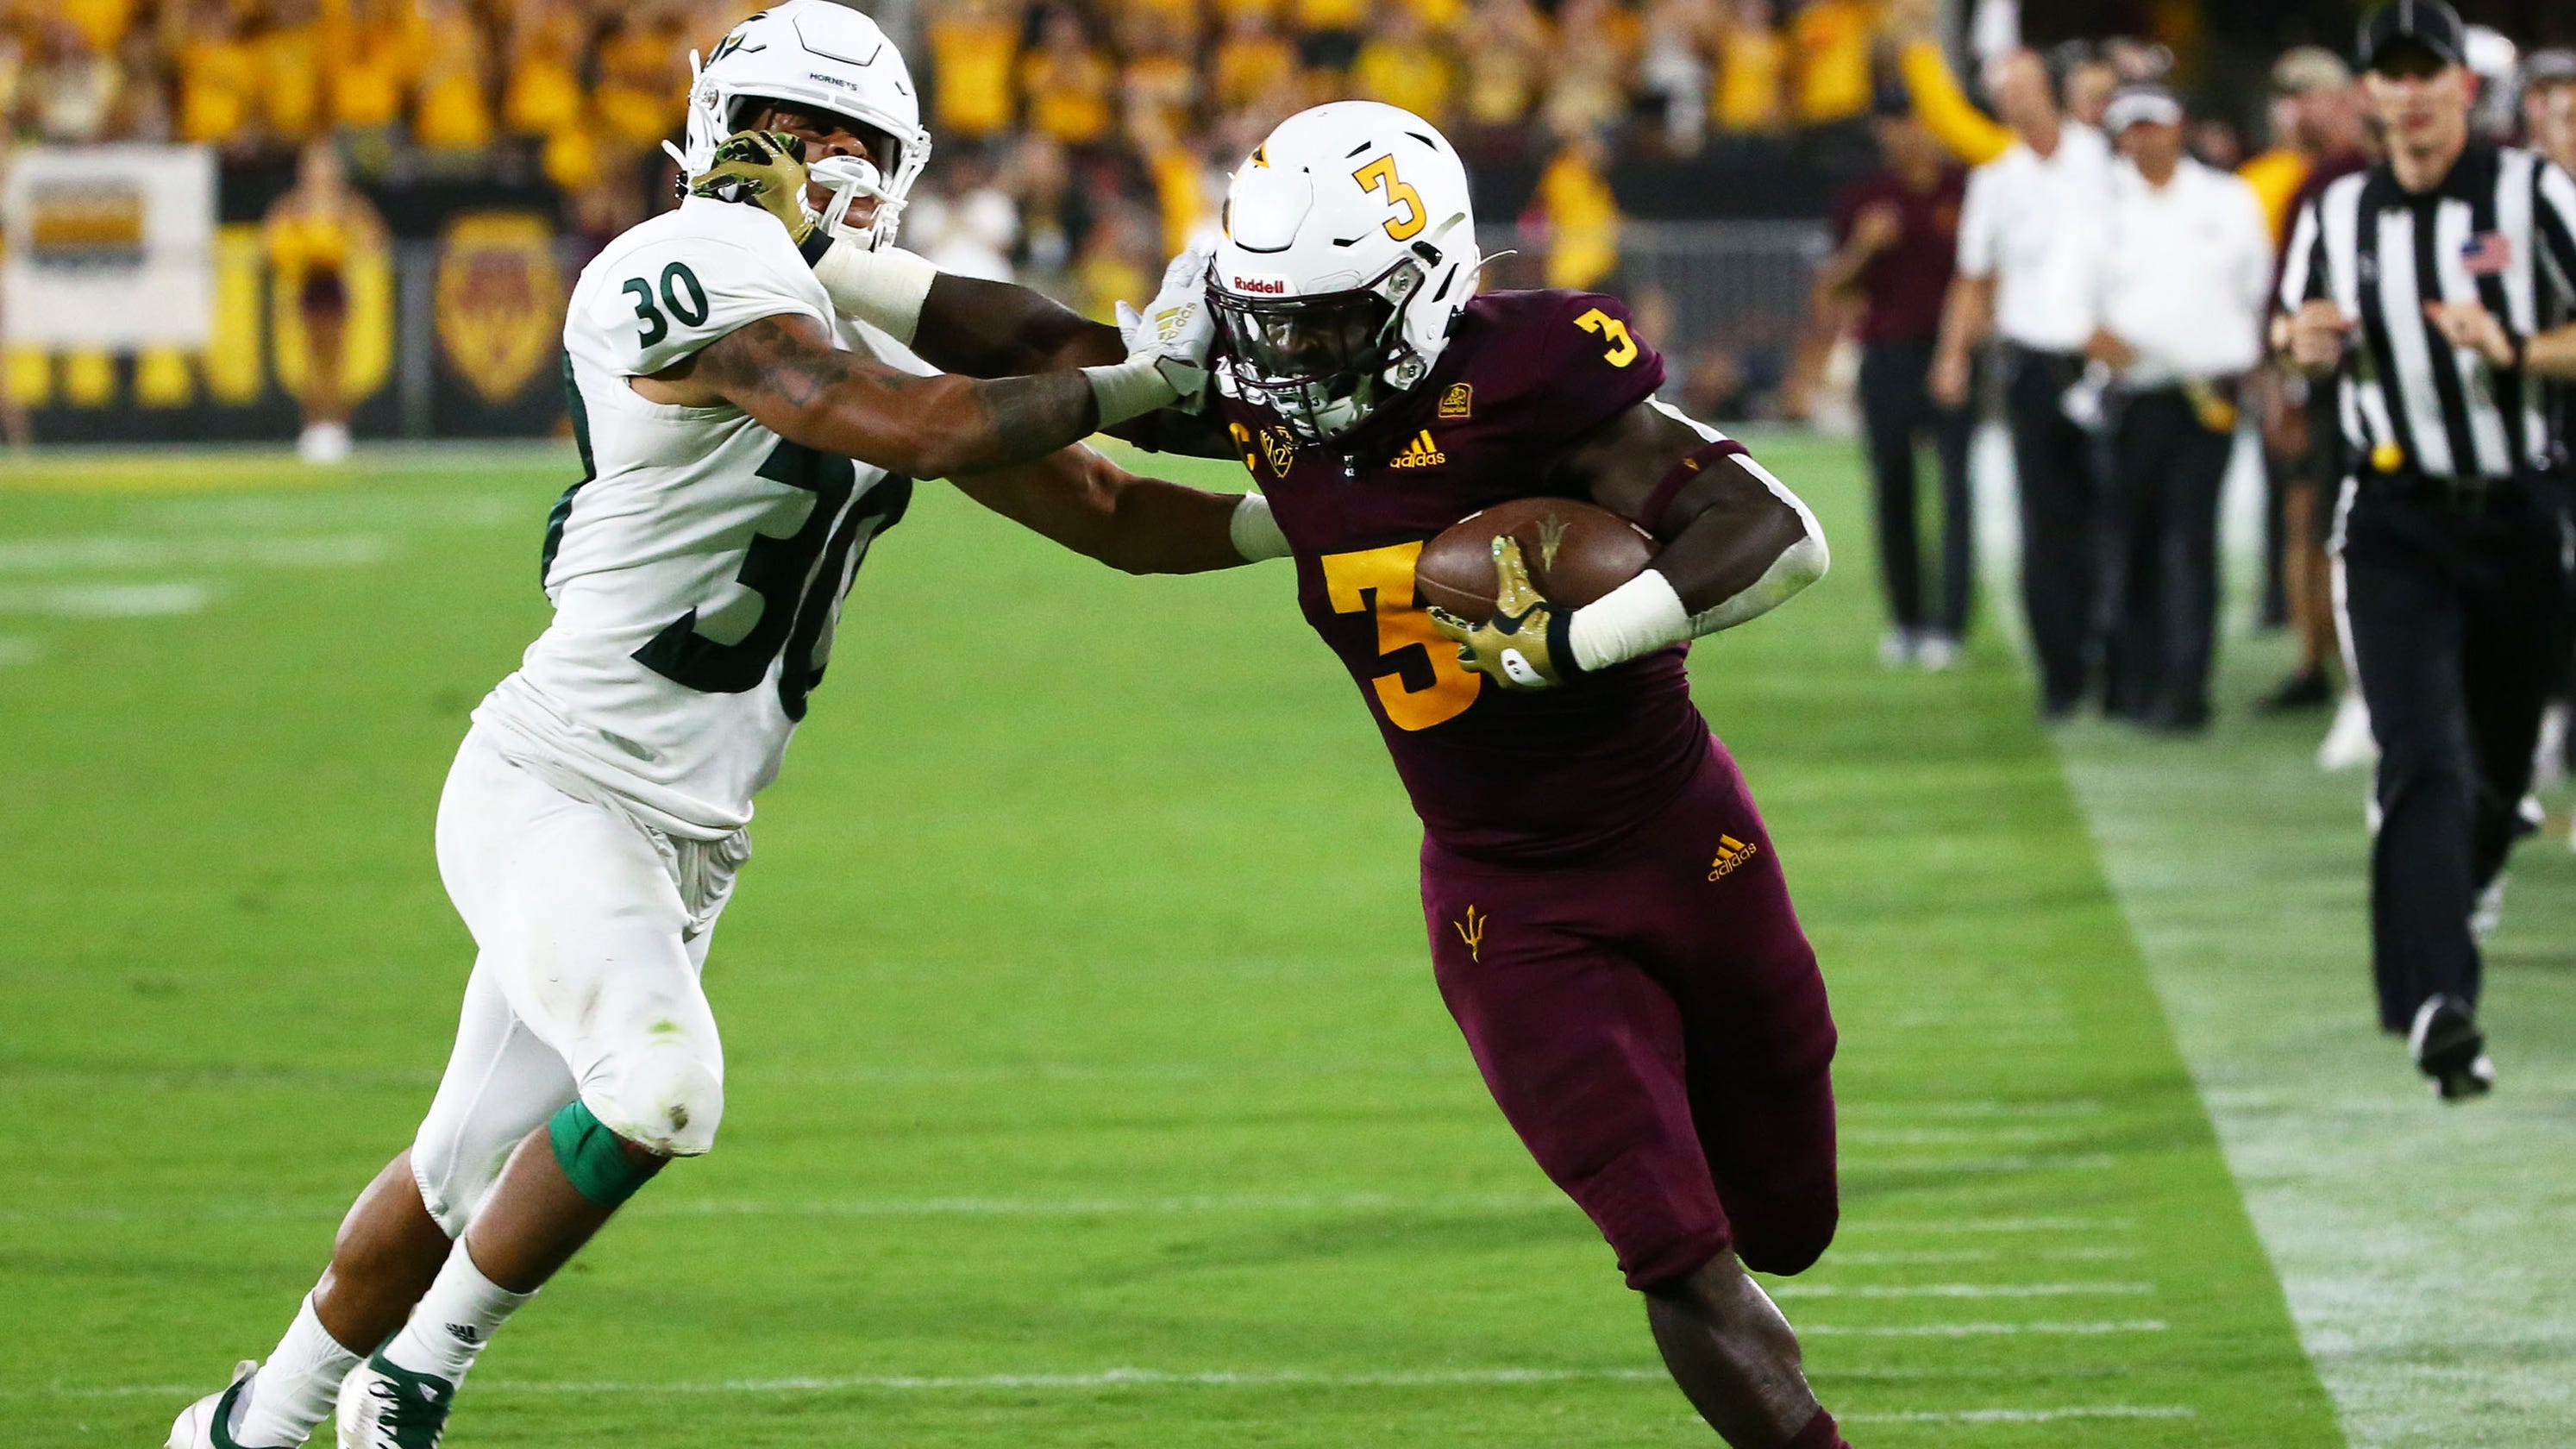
[1752, 70]
[2028, 236]
[1255, 67]
[974, 49]
[453, 112]
[2549, 105]
[1160, 83]
[1067, 82]
[2216, 143]
[1114, 264]
[643, 77]
[371, 47]
[1588, 87]
[2085, 80]
[1896, 245]
[290, 71]
[1831, 42]
[1940, 102]
[1402, 66]
[1506, 56]
[1673, 71]
[2181, 296]
[75, 85]
[1328, 36]
[310, 233]
[1574, 210]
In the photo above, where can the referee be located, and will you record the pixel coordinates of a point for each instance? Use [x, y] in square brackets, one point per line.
[2437, 287]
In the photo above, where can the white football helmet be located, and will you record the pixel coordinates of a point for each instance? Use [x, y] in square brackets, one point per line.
[832, 58]
[1349, 249]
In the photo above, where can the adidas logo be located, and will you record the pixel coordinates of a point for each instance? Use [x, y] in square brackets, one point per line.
[1731, 853]
[464, 1333]
[1420, 453]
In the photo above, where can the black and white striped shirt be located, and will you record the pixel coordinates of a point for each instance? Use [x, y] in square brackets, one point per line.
[2501, 230]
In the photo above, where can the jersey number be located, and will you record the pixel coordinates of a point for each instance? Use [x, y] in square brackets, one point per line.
[677, 279]
[1623, 348]
[1379, 175]
[800, 579]
[1379, 581]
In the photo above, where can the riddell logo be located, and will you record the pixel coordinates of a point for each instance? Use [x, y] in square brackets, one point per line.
[1265, 286]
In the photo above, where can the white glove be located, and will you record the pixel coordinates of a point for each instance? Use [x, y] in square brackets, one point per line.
[1176, 328]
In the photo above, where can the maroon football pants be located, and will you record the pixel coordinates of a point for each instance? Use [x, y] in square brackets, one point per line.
[1652, 1022]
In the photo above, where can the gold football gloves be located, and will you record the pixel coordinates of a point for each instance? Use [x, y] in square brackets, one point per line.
[1524, 645]
[765, 169]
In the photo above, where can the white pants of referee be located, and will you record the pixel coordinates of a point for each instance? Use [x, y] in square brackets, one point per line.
[2457, 617]
[591, 930]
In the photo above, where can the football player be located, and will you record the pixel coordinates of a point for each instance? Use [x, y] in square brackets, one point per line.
[743, 443]
[1651, 1020]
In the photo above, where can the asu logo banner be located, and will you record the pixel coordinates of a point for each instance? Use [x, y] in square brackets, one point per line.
[500, 300]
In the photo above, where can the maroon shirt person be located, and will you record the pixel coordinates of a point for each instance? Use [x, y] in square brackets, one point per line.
[1608, 920]
[1896, 238]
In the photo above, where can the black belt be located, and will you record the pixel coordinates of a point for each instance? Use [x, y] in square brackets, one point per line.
[2467, 497]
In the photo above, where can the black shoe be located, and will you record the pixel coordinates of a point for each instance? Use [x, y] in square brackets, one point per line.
[2307, 689]
[2449, 1048]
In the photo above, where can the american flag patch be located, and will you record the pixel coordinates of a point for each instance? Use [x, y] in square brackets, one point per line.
[2487, 254]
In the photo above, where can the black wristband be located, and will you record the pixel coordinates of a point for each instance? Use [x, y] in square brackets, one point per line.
[817, 242]
[1560, 644]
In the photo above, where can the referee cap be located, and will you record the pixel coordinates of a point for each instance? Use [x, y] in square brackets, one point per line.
[2141, 104]
[2429, 24]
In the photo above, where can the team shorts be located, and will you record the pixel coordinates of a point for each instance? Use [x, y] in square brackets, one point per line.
[1652, 1022]
[591, 929]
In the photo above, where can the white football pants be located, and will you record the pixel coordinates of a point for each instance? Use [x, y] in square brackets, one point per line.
[591, 930]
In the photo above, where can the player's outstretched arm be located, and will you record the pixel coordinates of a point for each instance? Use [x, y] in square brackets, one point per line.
[787, 374]
[1141, 525]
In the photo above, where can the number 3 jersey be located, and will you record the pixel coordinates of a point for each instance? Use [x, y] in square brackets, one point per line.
[1493, 773]
[698, 567]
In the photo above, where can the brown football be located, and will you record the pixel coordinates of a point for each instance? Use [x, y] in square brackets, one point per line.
[1575, 551]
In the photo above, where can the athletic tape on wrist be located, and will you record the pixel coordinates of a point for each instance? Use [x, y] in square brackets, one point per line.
[1130, 389]
[1255, 533]
[883, 289]
[1637, 618]
[1660, 502]
[594, 1158]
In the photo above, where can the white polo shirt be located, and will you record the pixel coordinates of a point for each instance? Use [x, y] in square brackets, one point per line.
[2186, 274]
[2034, 226]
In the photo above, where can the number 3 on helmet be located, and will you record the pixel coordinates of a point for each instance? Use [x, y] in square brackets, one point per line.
[825, 57]
[1349, 250]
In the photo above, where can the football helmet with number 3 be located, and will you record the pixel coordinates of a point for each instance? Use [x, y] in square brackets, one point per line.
[814, 53]
[1349, 249]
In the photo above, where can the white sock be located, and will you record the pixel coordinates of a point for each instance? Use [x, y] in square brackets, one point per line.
[456, 1317]
[296, 1386]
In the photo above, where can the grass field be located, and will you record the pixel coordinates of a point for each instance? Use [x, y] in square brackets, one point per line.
[1087, 1086]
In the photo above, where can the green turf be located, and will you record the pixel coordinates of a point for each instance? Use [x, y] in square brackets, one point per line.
[1077, 1014]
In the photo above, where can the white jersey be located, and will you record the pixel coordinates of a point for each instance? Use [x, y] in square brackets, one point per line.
[698, 567]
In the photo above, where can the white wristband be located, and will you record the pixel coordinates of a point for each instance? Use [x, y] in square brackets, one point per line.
[1636, 618]
[1130, 389]
[883, 289]
[1255, 533]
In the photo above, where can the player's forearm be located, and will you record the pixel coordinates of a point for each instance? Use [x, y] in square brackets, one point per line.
[994, 329]
[1137, 525]
[939, 427]
[1841, 272]
[1966, 313]
[1750, 548]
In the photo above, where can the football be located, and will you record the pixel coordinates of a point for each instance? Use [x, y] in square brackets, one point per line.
[1576, 552]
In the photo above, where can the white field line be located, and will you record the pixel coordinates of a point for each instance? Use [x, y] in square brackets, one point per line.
[1960, 1290]
[1197, 1204]
[2022, 1416]
[120, 551]
[1972, 1135]
[109, 601]
[2062, 1162]
[1869, 1258]
[1979, 1330]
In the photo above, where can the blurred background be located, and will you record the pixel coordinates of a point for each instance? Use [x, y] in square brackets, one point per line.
[1683, 152]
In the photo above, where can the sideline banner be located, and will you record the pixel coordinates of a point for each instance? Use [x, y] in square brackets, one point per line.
[109, 246]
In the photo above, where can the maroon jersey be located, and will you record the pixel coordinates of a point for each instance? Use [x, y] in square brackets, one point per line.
[1902, 289]
[1493, 773]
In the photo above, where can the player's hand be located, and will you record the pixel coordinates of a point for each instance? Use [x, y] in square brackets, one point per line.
[2316, 335]
[765, 169]
[1879, 226]
[2471, 325]
[1524, 645]
[1176, 329]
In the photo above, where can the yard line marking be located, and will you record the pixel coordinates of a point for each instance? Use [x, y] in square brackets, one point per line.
[1981, 1107]
[109, 601]
[1993, 1225]
[121, 551]
[2073, 1161]
[1978, 1330]
[1951, 1136]
[2023, 1416]
[1864, 1257]
[1958, 1290]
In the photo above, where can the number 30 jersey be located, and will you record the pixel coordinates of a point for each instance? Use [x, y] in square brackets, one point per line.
[698, 567]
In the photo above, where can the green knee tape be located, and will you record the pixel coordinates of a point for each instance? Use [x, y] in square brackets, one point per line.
[593, 1157]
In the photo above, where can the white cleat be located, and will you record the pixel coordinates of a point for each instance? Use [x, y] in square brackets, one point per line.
[2348, 744]
[386, 1406]
[210, 1422]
